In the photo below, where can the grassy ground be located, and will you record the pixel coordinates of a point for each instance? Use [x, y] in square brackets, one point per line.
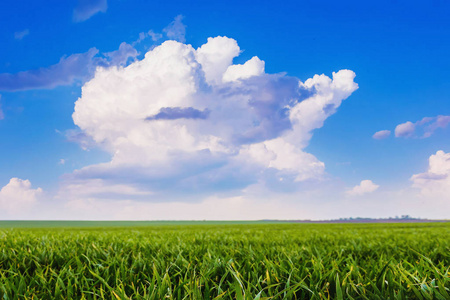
[224, 261]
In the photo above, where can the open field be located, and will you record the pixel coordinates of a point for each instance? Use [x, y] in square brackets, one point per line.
[205, 260]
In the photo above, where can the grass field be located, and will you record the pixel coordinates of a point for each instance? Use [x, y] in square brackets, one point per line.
[80, 260]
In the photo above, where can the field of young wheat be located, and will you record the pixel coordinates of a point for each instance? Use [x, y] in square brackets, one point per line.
[224, 261]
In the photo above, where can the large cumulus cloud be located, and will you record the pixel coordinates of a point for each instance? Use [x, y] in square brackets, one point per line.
[17, 197]
[435, 182]
[188, 119]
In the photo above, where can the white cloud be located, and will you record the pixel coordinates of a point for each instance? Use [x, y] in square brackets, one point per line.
[87, 8]
[365, 187]
[18, 35]
[253, 67]
[17, 196]
[216, 56]
[406, 129]
[185, 119]
[435, 182]
[382, 134]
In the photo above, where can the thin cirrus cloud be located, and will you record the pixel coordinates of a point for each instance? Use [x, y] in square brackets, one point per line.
[19, 35]
[85, 9]
[80, 67]
[185, 120]
[66, 71]
[76, 67]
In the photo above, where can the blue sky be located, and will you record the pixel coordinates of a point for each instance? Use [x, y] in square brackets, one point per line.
[234, 157]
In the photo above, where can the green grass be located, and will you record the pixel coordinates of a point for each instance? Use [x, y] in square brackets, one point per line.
[225, 261]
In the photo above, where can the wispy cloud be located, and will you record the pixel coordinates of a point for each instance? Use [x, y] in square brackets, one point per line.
[18, 35]
[176, 30]
[121, 56]
[80, 67]
[79, 137]
[74, 68]
[66, 71]
[85, 9]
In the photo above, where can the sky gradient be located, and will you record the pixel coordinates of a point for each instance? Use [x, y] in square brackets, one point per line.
[163, 111]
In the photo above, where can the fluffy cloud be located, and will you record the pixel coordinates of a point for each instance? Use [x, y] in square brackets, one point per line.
[18, 196]
[406, 129]
[87, 8]
[18, 35]
[185, 119]
[435, 182]
[426, 127]
[365, 187]
[382, 134]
